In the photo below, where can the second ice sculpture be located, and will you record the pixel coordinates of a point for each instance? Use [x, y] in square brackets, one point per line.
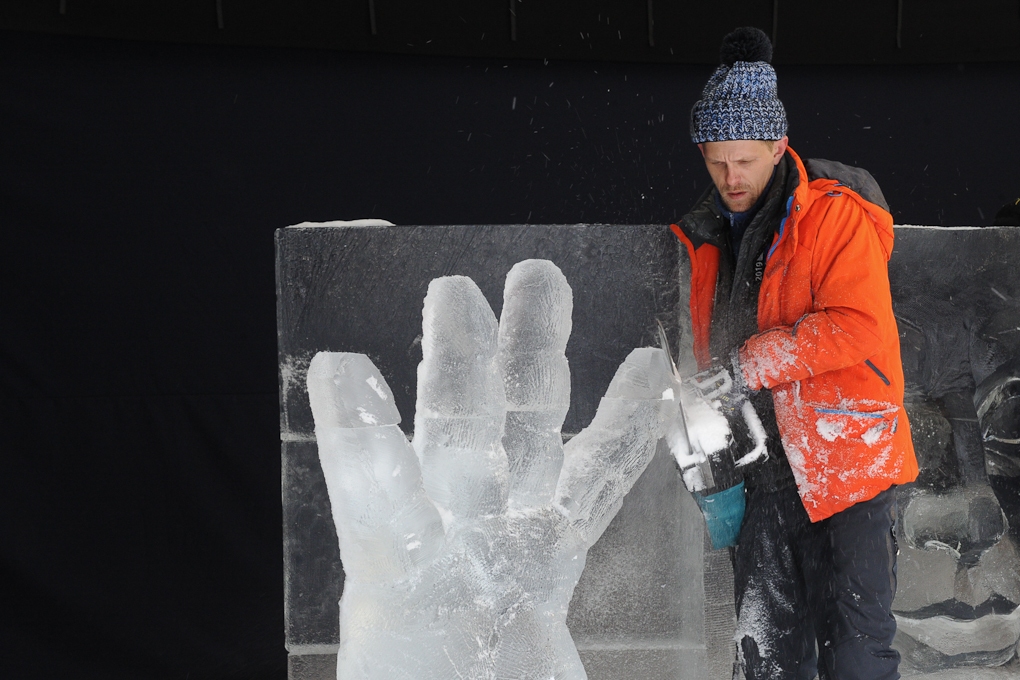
[462, 548]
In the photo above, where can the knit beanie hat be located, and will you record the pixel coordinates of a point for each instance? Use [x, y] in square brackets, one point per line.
[740, 100]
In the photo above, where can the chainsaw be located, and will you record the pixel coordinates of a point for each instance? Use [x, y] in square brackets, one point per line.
[716, 435]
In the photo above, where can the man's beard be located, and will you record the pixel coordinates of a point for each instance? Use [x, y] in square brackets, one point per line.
[745, 203]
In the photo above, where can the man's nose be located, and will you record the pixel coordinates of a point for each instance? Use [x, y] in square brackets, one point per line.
[732, 177]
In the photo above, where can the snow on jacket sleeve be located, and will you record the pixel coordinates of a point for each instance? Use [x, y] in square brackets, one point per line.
[831, 292]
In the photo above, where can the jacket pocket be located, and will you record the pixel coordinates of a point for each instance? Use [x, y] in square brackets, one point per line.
[872, 425]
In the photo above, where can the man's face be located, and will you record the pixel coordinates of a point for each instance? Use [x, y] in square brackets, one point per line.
[741, 168]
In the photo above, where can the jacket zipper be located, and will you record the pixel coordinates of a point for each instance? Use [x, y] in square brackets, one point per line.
[782, 228]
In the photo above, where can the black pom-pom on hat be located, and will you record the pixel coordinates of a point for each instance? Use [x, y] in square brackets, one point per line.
[745, 44]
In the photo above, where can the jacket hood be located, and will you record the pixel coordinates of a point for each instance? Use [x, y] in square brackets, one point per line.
[883, 225]
[819, 177]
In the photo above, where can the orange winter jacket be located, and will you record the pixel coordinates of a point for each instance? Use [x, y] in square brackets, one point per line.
[827, 346]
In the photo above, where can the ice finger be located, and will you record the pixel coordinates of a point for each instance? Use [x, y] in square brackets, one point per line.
[537, 304]
[458, 421]
[604, 460]
[646, 373]
[533, 333]
[346, 390]
[385, 523]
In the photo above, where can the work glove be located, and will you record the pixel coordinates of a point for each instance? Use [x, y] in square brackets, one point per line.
[723, 382]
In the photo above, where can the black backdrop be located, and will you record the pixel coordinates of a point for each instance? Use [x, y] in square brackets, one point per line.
[140, 185]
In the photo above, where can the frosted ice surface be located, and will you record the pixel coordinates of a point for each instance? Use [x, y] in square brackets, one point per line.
[461, 551]
[369, 222]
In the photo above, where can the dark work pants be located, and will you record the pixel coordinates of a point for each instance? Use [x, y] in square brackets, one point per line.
[832, 582]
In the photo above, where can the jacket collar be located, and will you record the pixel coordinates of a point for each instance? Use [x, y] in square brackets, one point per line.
[800, 200]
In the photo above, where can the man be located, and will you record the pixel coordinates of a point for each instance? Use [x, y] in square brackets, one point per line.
[789, 286]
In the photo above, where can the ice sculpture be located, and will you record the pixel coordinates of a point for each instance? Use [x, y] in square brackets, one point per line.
[959, 562]
[462, 548]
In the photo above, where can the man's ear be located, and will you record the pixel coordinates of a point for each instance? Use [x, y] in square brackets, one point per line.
[779, 149]
[701, 147]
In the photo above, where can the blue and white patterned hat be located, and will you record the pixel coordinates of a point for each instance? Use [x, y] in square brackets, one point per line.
[740, 99]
